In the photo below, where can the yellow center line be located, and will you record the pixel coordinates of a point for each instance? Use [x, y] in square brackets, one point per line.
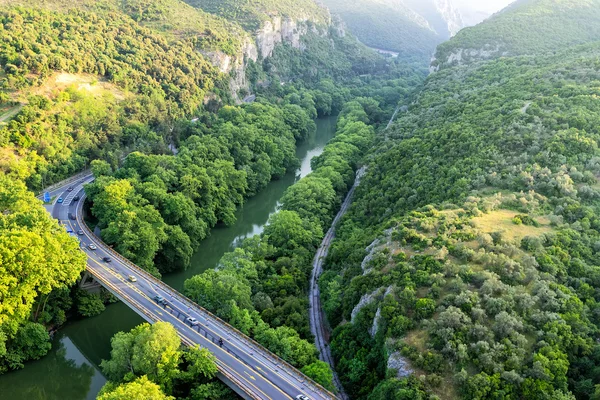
[205, 327]
[152, 315]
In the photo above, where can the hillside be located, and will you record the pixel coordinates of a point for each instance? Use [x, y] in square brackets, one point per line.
[147, 95]
[526, 27]
[410, 27]
[252, 15]
[469, 259]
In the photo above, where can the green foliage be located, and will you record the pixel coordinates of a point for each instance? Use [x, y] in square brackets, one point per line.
[527, 27]
[140, 389]
[150, 350]
[251, 15]
[89, 304]
[37, 257]
[491, 310]
[388, 25]
[320, 372]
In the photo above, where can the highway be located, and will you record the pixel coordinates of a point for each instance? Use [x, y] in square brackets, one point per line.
[250, 369]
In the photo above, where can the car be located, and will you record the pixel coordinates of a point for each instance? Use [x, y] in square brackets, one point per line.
[92, 247]
[132, 278]
[108, 259]
[72, 216]
[80, 232]
[70, 189]
[76, 198]
[302, 397]
[60, 200]
[192, 321]
[159, 299]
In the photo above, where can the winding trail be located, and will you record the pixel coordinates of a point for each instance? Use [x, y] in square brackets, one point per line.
[318, 326]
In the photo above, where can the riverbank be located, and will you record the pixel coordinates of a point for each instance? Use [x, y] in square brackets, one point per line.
[90, 338]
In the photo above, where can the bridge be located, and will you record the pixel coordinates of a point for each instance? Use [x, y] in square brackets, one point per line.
[247, 367]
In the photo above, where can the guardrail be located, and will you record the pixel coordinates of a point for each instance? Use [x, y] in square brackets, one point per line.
[70, 179]
[224, 325]
[239, 383]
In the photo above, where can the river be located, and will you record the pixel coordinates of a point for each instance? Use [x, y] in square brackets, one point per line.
[71, 370]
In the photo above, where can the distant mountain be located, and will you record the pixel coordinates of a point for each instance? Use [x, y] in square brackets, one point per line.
[413, 28]
[525, 27]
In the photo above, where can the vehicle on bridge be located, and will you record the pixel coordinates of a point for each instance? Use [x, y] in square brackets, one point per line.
[130, 278]
[192, 321]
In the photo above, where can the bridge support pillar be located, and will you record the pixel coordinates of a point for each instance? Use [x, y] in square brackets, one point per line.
[89, 284]
[233, 387]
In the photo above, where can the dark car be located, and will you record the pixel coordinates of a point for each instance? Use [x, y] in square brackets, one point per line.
[80, 232]
[72, 216]
[159, 299]
[107, 259]
[70, 189]
[76, 198]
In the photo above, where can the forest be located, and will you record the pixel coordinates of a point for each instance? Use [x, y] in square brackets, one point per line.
[467, 266]
[127, 90]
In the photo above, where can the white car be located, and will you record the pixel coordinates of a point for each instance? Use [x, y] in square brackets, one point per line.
[192, 320]
[302, 397]
[92, 247]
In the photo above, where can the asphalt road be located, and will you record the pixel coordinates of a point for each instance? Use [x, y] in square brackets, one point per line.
[317, 319]
[241, 361]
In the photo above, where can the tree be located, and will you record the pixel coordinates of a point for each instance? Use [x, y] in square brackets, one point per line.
[151, 350]
[321, 373]
[201, 362]
[286, 232]
[139, 389]
[37, 256]
[215, 289]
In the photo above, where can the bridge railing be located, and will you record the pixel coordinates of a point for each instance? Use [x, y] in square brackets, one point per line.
[239, 383]
[227, 327]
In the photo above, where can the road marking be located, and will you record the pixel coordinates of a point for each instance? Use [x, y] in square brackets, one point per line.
[125, 266]
[151, 315]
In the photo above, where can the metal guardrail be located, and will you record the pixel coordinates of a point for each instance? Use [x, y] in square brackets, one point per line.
[239, 383]
[70, 179]
[226, 326]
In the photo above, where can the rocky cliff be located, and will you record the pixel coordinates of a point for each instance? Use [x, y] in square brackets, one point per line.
[261, 45]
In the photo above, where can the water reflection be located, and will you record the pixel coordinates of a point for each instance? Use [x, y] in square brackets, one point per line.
[70, 371]
[64, 374]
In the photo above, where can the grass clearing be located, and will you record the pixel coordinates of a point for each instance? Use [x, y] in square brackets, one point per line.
[501, 221]
[85, 82]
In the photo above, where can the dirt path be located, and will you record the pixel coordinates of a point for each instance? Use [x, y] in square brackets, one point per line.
[10, 113]
[318, 326]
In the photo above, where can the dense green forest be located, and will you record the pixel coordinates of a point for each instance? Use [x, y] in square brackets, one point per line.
[470, 254]
[526, 27]
[125, 89]
[252, 14]
[40, 261]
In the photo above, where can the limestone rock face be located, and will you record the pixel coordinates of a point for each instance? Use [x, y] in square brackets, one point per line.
[280, 30]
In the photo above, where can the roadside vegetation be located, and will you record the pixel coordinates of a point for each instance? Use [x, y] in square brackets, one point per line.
[471, 250]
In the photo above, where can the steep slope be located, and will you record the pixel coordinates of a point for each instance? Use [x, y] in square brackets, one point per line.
[526, 27]
[470, 256]
[252, 15]
[410, 27]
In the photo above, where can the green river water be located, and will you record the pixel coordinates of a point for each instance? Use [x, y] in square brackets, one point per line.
[71, 370]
